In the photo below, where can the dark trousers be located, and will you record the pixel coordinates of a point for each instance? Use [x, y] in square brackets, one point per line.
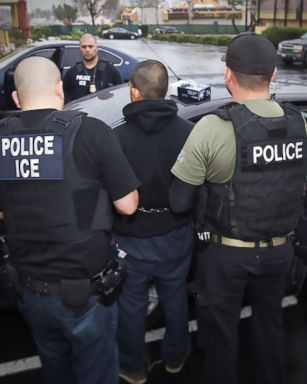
[170, 282]
[224, 274]
[169, 277]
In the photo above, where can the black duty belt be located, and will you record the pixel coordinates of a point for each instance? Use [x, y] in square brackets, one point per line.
[53, 288]
[273, 242]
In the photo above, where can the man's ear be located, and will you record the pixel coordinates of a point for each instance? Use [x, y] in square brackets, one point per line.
[227, 75]
[273, 78]
[59, 90]
[16, 99]
[135, 94]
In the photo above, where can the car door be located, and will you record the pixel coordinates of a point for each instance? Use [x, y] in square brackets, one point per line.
[52, 53]
[125, 34]
[120, 33]
[72, 55]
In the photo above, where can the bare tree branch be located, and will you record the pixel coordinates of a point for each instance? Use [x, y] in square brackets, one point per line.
[94, 7]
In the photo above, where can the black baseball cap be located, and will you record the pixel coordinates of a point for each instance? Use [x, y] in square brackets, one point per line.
[251, 54]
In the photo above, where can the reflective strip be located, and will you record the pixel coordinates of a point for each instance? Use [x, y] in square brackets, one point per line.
[21, 365]
[157, 334]
[30, 363]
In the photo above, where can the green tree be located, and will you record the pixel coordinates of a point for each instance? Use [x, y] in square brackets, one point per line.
[65, 13]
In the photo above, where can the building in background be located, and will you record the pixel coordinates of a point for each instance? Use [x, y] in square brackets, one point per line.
[185, 12]
[288, 13]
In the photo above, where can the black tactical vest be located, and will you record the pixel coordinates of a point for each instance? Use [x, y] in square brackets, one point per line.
[43, 195]
[265, 196]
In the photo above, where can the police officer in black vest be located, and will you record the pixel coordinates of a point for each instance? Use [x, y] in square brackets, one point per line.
[90, 74]
[251, 155]
[60, 171]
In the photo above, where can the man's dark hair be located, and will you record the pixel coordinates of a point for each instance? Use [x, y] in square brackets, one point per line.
[253, 82]
[150, 77]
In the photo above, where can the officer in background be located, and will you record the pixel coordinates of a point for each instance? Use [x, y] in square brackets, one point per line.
[60, 170]
[91, 74]
[251, 156]
[158, 242]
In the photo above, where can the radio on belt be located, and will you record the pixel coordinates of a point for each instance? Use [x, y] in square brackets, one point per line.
[189, 91]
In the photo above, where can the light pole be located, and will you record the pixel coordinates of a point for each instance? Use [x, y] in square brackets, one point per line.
[258, 11]
[246, 14]
[301, 12]
[286, 12]
[275, 11]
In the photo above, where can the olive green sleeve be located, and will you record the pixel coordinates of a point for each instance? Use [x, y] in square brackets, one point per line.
[208, 154]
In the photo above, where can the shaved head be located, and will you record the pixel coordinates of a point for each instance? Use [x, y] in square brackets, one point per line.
[37, 80]
[88, 37]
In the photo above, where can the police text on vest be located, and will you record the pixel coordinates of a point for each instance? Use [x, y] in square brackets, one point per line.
[278, 152]
[22, 148]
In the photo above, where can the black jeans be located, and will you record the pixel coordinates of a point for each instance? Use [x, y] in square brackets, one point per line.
[224, 274]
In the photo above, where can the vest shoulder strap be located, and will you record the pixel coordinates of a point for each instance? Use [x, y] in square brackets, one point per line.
[102, 64]
[71, 120]
[65, 117]
[79, 66]
[291, 109]
[224, 111]
[14, 119]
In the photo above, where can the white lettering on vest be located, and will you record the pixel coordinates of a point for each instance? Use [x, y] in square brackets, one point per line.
[83, 77]
[5, 145]
[26, 168]
[276, 153]
[21, 146]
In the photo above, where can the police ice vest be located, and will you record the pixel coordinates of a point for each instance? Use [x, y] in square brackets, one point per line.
[265, 196]
[43, 195]
[103, 83]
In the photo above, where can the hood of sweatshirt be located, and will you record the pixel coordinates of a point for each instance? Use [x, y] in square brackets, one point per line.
[150, 115]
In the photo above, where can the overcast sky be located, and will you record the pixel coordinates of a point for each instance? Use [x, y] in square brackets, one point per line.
[42, 4]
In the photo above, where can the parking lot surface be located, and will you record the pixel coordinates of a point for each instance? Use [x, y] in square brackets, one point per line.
[18, 352]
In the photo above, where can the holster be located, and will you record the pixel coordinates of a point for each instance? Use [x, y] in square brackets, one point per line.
[75, 293]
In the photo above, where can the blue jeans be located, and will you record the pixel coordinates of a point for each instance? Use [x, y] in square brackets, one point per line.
[169, 278]
[76, 346]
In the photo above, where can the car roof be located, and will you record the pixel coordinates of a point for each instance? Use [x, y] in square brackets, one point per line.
[107, 104]
[12, 56]
[118, 29]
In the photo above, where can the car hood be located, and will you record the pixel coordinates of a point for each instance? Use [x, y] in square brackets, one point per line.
[295, 41]
[108, 104]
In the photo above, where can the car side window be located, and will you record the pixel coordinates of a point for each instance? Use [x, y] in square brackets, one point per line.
[71, 56]
[48, 53]
[108, 56]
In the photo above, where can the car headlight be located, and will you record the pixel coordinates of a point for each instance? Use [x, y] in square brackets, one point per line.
[298, 48]
[279, 46]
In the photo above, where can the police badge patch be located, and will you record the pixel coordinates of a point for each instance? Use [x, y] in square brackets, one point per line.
[180, 157]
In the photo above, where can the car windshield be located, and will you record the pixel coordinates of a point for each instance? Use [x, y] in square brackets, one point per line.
[304, 36]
